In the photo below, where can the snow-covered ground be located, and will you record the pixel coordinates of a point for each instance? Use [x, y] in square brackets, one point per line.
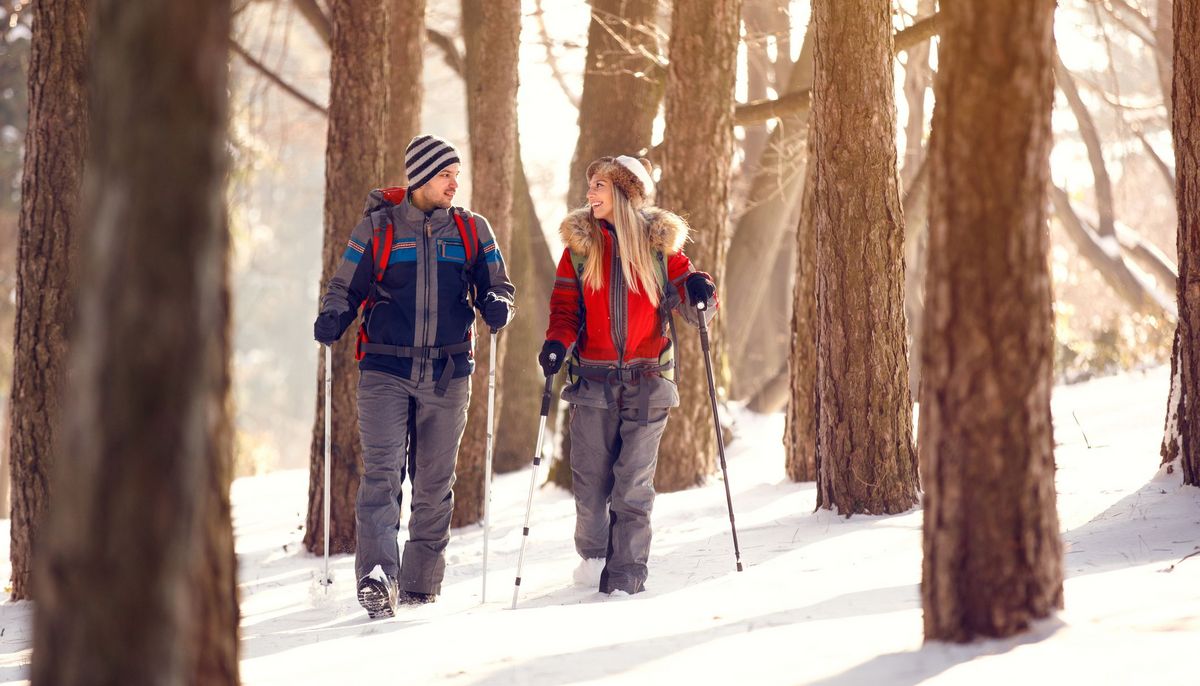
[823, 599]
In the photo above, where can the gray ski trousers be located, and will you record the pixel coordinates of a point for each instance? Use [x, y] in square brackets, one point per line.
[422, 439]
[612, 477]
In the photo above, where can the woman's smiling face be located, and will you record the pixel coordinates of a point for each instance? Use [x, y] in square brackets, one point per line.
[599, 197]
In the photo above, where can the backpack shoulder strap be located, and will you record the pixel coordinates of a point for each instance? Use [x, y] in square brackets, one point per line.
[468, 232]
[383, 237]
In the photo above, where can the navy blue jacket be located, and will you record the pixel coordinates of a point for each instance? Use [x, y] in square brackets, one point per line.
[422, 300]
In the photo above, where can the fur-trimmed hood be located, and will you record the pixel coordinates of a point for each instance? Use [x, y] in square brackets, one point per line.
[667, 231]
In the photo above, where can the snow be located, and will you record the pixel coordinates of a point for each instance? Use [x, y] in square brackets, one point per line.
[823, 599]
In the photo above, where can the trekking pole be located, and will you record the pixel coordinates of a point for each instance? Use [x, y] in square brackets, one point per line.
[537, 460]
[328, 448]
[712, 395]
[487, 468]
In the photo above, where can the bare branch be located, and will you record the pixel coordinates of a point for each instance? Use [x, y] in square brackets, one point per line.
[316, 18]
[917, 33]
[551, 60]
[1163, 168]
[1091, 139]
[453, 57]
[276, 79]
[760, 111]
[1105, 255]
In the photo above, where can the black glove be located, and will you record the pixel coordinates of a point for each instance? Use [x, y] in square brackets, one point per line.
[327, 328]
[496, 312]
[552, 356]
[699, 289]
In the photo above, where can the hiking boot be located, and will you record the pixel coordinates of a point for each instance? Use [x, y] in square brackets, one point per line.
[377, 594]
[415, 598]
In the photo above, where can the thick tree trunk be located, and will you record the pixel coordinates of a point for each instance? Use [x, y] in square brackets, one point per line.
[54, 149]
[993, 556]
[492, 31]
[621, 71]
[404, 66]
[864, 411]
[532, 269]
[354, 159]
[141, 503]
[1186, 130]
[621, 67]
[695, 182]
[800, 427]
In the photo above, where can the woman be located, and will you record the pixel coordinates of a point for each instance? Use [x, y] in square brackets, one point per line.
[619, 279]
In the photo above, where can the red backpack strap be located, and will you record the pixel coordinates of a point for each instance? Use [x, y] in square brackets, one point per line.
[471, 240]
[381, 249]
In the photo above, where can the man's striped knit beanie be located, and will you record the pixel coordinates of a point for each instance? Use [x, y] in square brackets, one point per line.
[425, 157]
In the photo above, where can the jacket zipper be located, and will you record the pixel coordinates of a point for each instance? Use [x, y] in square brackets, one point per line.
[617, 304]
[425, 318]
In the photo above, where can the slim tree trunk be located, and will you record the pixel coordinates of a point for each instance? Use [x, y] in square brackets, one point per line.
[621, 71]
[404, 67]
[800, 427]
[492, 31]
[757, 333]
[993, 556]
[864, 411]
[695, 181]
[917, 78]
[146, 447]
[1186, 133]
[354, 158]
[54, 149]
[532, 269]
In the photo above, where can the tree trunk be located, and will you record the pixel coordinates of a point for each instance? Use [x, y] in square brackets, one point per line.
[800, 426]
[1164, 48]
[864, 411]
[695, 181]
[492, 31]
[766, 22]
[620, 71]
[139, 503]
[758, 332]
[993, 556]
[354, 164]
[403, 68]
[532, 269]
[50, 187]
[1186, 130]
[621, 67]
[917, 77]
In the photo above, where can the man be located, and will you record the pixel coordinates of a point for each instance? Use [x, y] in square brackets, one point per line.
[417, 263]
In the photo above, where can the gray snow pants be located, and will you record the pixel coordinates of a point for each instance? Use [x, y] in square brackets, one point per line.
[435, 426]
[612, 477]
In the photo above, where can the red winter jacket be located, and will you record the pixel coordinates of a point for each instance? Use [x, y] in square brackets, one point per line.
[622, 328]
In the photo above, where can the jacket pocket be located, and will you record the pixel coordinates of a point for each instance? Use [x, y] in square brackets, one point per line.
[450, 250]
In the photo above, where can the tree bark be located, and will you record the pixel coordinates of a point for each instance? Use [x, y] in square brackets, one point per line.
[404, 67]
[800, 425]
[621, 71]
[864, 411]
[695, 181]
[354, 164]
[147, 434]
[1186, 134]
[50, 187]
[491, 30]
[993, 556]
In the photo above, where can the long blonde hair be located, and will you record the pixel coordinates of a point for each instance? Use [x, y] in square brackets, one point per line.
[633, 249]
